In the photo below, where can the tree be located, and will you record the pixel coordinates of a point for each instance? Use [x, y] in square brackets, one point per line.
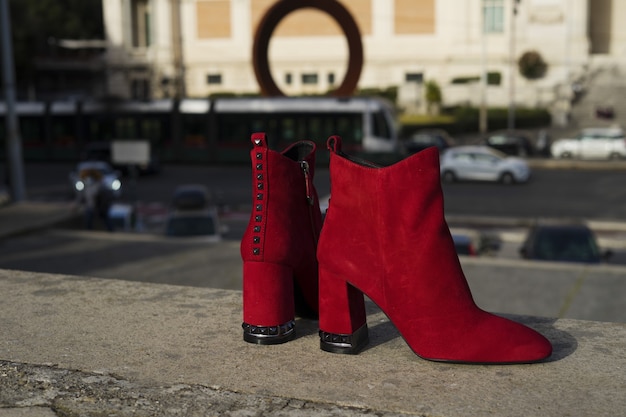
[433, 96]
[37, 24]
[532, 66]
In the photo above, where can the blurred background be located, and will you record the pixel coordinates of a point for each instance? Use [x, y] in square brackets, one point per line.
[525, 100]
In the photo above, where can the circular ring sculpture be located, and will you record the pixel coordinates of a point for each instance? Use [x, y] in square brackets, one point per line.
[281, 9]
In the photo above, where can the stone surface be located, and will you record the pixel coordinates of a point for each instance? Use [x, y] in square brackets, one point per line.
[154, 339]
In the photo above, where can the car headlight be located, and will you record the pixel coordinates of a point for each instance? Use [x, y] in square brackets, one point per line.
[79, 185]
[116, 185]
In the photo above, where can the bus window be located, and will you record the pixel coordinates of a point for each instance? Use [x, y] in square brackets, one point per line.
[315, 129]
[99, 128]
[194, 130]
[63, 132]
[319, 129]
[301, 128]
[258, 125]
[31, 131]
[380, 126]
[232, 129]
[288, 130]
[125, 128]
[349, 128]
[271, 124]
[153, 129]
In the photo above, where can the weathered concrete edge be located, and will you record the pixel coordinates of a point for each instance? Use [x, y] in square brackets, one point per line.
[588, 356]
[68, 392]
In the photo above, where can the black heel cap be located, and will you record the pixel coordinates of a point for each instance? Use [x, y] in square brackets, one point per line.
[269, 335]
[349, 344]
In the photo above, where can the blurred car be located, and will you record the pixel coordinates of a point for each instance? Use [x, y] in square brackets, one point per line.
[473, 242]
[573, 242]
[190, 197]
[592, 143]
[423, 139]
[101, 151]
[111, 178]
[123, 217]
[200, 224]
[464, 245]
[192, 215]
[511, 142]
[481, 163]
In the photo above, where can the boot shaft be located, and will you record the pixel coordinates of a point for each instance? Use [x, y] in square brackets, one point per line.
[285, 220]
[389, 222]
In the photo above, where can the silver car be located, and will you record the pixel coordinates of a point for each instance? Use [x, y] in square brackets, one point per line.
[481, 163]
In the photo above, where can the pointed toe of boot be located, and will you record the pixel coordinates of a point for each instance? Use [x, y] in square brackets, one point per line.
[483, 339]
[521, 345]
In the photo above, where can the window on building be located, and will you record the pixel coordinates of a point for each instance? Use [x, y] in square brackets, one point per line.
[493, 16]
[331, 78]
[414, 77]
[214, 79]
[288, 78]
[309, 78]
[140, 89]
[141, 23]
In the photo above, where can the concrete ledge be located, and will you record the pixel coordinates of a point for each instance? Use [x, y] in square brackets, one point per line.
[81, 346]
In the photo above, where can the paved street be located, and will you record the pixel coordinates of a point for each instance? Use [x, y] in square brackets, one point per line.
[148, 258]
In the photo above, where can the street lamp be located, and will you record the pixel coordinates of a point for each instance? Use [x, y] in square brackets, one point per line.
[13, 138]
[511, 119]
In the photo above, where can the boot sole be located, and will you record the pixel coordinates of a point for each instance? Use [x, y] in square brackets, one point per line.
[269, 335]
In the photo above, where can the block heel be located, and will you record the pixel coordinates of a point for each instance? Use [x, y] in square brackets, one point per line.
[268, 303]
[343, 327]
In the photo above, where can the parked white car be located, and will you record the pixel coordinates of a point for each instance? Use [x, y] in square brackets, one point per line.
[482, 163]
[592, 143]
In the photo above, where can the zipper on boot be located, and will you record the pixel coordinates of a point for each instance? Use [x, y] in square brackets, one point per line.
[308, 184]
[302, 307]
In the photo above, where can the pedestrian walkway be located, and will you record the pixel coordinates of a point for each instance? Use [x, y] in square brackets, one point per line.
[30, 216]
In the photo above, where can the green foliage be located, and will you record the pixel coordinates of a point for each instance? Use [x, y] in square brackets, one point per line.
[463, 119]
[466, 80]
[493, 78]
[36, 24]
[433, 92]
[532, 66]
[390, 93]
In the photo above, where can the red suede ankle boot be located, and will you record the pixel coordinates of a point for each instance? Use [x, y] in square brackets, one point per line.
[278, 247]
[385, 236]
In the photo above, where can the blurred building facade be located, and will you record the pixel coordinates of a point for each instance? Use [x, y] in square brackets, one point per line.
[195, 48]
